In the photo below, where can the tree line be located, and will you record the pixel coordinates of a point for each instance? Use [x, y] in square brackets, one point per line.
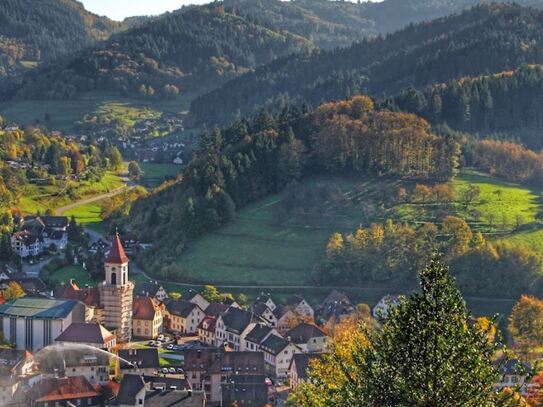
[248, 160]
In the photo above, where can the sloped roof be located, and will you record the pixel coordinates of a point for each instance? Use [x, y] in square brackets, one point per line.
[81, 332]
[258, 333]
[274, 344]
[240, 363]
[215, 309]
[303, 333]
[145, 308]
[260, 308]
[181, 308]
[53, 389]
[58, 358]
[294, 300]
[148, 288]
[208, 324]
[38, 308]
[116, 254]
[174, 398]
[336, 296]
[236, 320]
[301, 362]
[131, 385]
[142, 358]
[89, 296]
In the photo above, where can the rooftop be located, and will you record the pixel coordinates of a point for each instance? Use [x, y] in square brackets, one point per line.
[116, 254]
[38, 308]
[85, 333]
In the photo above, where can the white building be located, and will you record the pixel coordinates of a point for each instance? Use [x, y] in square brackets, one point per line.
[33, 323]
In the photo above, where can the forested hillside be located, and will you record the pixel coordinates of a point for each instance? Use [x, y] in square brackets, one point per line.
[491, 38]
[32, 33]
[188, 50]
[250, 160]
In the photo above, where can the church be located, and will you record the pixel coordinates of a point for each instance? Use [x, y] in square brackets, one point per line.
[116, 293]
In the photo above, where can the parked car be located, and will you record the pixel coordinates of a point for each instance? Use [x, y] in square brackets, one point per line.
[172, 369]
[169, 347]
[161, 338]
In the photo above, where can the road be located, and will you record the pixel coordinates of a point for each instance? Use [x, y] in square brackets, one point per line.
[94, 198]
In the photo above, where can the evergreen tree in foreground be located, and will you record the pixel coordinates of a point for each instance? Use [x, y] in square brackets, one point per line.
[429, 353]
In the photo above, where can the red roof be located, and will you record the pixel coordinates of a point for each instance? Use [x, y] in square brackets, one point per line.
[117, 255]
[52, 389]
[145, 308]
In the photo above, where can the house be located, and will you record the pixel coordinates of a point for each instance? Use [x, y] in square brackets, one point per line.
[214, 309]
[263, 311]
[17, 369]
[212, 370]
[380, 311]
[301, 307]
[206, 331]
[59, 392]
[184, 317]
[33, 323]
[256, 333]
[286, 319]
[298, 368]
[308, 337]
[197, 298]
[24, 244]
[513, 374]
[178, 161]
[90, 296]
[231, 326]
[32, 286]
[147, 321]
[152, 391]
[251, 391]
[278, 353]
[87, 334]
[335, 307]
[90, 363]
[153, 290]
[139, 361]
[266, 299]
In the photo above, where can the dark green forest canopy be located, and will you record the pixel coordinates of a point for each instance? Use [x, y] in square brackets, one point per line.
[35, 32]
[490, 38]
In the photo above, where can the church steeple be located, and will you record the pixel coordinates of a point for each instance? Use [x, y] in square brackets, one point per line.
[116, 264]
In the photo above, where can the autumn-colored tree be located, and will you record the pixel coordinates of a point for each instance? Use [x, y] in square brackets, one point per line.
[174, 296]
[459, 233]
[526, 320]
[534, 396]
[13, 291]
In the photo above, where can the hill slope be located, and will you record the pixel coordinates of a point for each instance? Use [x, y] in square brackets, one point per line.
[486, 38]
[30, 34]
[204, 45]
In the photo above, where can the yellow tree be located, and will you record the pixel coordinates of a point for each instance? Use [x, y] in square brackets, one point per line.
[13, 291]
[526, 320]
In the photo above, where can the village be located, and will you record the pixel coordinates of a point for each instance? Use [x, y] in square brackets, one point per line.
[122, 343]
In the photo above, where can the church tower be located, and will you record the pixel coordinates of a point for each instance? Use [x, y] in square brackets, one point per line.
[116, 292]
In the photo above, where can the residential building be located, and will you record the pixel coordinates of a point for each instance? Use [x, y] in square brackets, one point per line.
[263, 311]
[33, 323]
[116, 292]
[152, 289]
[197, 298]
[87, 334]
[39, 234]
[91, 363]
[267, 300]
[286, 319]
[216, 371]
[299, 367]
[250, 391]
[24, 244]
[300, 307]
[59, 392]
[231, 326]
[17, 369]
[278, 353]
[139, 361]
[214, 309]
[256, 333]
[206, 331]
[147, 321]
[184, 317]
[308, 337]
[335, 307]
[513, 374]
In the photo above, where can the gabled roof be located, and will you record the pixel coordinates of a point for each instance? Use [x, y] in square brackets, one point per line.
[174, 398]
[336, 296]
[274, 344]
[116, 254]
[260, 308]
[215, 309]
[49, 221]
[53, 389]
[145, 308]
[131, 385]
[236, 320]
[301, 362]
[303, 333]
[139, 358]
[258, 333]
[81, 332]
[181, 308]
[58, 358]
[90, 296]
[294, 300]
[208, 324]
[148, 288]
[38, 308]
[238, 363]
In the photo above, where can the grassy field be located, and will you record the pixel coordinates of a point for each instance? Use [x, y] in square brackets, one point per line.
[42, 197]
[262, 247]
[154, 174]
[76, 272]
[88, 215]
[63, 113]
